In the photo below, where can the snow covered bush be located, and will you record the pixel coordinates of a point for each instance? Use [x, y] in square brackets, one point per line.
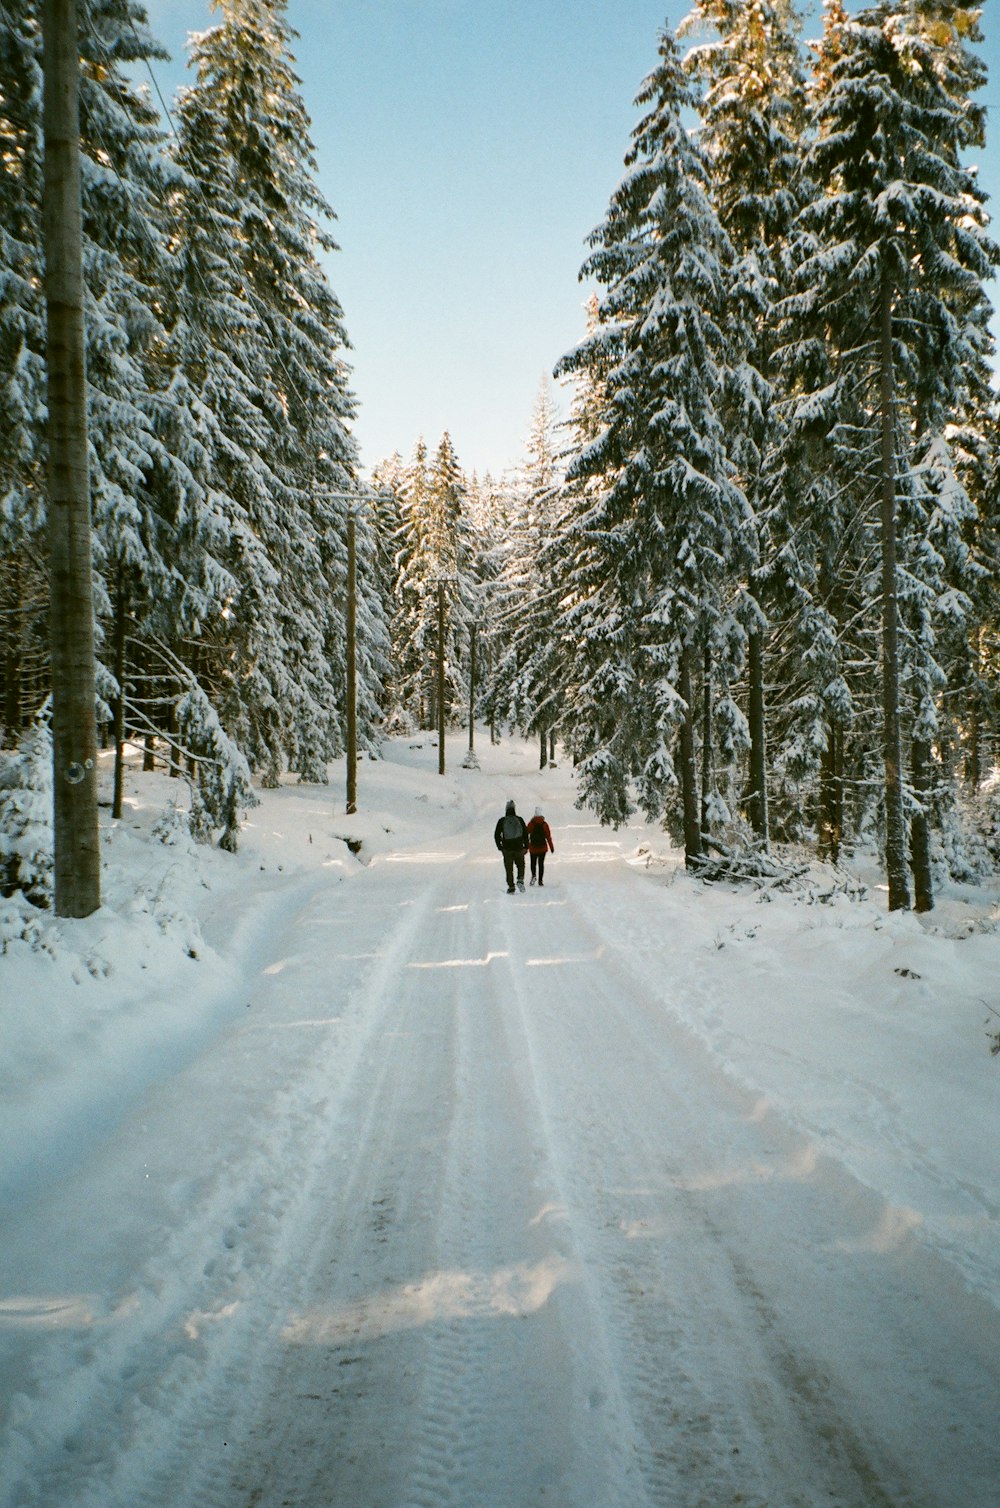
[25, 924]
[977, 839]
[399, 722]
[174, 828]
[223, 780]
[26, 839]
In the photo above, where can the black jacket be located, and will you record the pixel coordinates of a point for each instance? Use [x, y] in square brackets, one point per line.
[513, 845]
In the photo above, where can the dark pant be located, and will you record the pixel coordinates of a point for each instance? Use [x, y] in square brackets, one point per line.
[538, 864]
[512, 856]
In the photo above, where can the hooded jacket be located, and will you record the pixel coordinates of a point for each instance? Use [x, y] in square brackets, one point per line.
[517, 844]
[539, 835]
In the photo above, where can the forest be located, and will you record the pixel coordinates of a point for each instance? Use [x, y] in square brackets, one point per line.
[748, 587]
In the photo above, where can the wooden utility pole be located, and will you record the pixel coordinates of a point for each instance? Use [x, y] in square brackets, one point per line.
[352, 667]
[71, 613]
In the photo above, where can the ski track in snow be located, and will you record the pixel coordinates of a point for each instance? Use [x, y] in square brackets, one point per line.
[529, 1243]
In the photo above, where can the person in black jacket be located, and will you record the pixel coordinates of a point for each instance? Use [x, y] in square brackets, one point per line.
[511, 838]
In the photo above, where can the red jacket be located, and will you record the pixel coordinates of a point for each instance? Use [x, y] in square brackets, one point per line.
[539, 836]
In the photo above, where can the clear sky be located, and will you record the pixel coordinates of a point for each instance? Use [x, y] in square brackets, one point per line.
[468, 147]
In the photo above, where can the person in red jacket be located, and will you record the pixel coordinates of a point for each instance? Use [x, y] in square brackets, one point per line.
[539, 844]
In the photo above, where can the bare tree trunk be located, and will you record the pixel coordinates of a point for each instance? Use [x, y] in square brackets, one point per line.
[830, 800]
[707, 745]
[757, 799]
[352, 667]
[440, 678]
[472, 688]
[920, 828]
[150, 708]
[121, 610]
[174, 739]
[974, 762]
[74, 723]
[895, 827]
[689, 774]
[543, 750]
[12, 657]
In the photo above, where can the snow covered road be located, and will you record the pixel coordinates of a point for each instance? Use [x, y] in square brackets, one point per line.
[454, 1208]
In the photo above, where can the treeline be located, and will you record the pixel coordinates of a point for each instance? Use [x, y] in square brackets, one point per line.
[749, 584]
[771, 595]
[222, 464]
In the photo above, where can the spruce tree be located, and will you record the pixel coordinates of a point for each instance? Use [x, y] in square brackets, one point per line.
[303, 480]
[524, 688]
[23, 588]
[752, 108]
[899, 255]
[435, 547]
[671, 536]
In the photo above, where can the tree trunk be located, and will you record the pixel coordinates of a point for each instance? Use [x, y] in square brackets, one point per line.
[920, 827]
[74, 722]
[121, 610]
[472, 688]
[12, 658]
[757, 798]
[707, 745]
[895, 828]
[352, 668]
[830, 800]
[974, 762]
[839, 803]
[174, 740]
[689, 773]
[440, 678]
[543, 752]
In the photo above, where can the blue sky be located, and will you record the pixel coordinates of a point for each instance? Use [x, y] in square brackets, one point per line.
[468, 147]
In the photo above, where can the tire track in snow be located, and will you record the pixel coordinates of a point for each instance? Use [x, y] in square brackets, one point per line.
[595, 1081]
[141, 1419]
[534, 1247]
[492, 1423]
[762, 972]
[324, 1362]
[729, 1237]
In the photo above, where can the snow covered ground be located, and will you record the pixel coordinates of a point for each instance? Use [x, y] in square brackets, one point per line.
[352, 1180]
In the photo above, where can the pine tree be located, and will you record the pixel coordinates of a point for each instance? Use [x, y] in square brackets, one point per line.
[145, 424]
[752, 110]
[524, 688]
[298, 498]
[672, 535]
[899, 254]
[23, 590]
[126, 260]
[26, 839]
[435, 547]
